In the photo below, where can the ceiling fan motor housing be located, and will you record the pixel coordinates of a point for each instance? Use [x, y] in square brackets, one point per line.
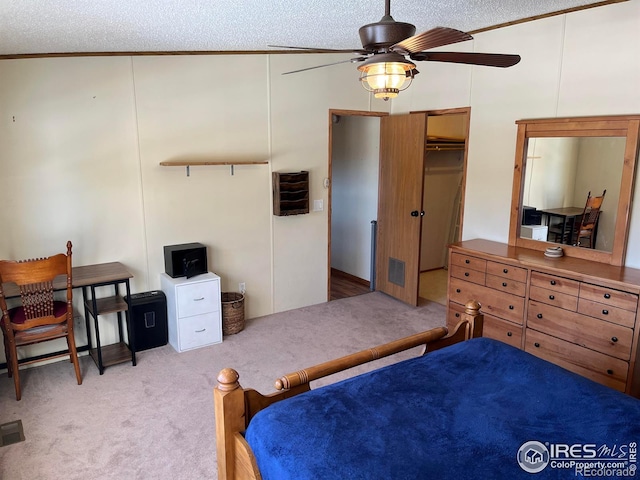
[381, 35]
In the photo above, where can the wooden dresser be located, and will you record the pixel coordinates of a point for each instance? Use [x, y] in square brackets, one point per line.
[578, 314]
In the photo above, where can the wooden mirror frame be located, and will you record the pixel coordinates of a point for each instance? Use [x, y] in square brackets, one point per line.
[603, 126]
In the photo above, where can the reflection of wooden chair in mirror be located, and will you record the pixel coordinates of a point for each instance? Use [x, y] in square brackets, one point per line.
[589, 221]
[39, 317]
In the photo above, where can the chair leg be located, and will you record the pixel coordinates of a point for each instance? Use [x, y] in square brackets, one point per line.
[73, 353]
[7, 355]
[16, 374]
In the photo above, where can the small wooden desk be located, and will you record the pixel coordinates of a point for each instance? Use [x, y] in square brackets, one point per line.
[103, 275]
[90, 277]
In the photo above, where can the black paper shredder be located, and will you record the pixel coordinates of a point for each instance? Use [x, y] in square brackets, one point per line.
[148, 314]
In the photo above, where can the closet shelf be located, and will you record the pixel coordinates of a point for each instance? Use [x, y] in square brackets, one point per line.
[444, 143]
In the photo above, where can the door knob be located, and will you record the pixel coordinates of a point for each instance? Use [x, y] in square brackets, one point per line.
[415, 213]
[422, 213]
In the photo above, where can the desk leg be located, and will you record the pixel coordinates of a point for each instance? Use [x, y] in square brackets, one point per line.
[86, 317]
[97, 327]
[130, 329]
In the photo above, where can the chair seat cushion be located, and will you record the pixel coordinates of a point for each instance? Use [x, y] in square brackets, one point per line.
[17, 314]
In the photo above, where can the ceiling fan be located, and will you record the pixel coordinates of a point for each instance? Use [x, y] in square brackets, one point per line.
[385, 69]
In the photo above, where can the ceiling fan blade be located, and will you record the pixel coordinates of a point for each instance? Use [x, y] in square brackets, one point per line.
[322, 50]
[436, 37]
[351, 60]
[486, 59]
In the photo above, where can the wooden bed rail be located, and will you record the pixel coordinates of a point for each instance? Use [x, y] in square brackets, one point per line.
[471, 327]
[235, 406]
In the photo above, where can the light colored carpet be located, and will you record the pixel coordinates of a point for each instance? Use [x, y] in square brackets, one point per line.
[156, 420]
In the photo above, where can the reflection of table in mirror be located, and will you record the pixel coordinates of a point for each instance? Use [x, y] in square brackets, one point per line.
[568, 217]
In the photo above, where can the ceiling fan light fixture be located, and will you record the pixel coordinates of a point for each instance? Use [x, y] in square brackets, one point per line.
[387, 76]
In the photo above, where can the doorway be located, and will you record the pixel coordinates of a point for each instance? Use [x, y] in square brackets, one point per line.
[444, 175]
[354, 151]
[353, 200]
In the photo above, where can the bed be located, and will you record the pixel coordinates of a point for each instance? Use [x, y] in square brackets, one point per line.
[470, 407]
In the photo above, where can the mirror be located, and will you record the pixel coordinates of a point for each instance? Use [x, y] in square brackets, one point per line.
[558, 163]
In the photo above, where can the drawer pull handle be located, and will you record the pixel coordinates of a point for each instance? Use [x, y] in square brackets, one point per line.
[610, 372]
[466, 274]
[504, 284]
[198, 299]
[607, 295]
[614, 339]
[511, 307]
[467, 261]
[552, 282]
[509, 334]
[605, 312]
[539, 315]
[200, 331]
[551, 297]
[537, 345]
[457, 290]
[457, 315]
[505, 271]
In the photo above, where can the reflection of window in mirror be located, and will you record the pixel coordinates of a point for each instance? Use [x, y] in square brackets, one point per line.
[559, 174]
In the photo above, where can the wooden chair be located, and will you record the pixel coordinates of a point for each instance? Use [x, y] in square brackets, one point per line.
[589, 220]
[39, 317]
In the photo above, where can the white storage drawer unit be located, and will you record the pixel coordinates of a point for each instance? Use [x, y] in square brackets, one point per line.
[193, 307]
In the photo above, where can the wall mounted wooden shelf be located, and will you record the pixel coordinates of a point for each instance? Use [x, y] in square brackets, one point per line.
[198, 163]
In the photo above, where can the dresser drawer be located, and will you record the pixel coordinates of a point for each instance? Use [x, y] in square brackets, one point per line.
[507, 332]
[588, 332]
[557, 284]
[467, 261]
[197, 298]
[596, 366]
[199, 330]
[507, 271]
[468, 274]
[606, 312]
[454, 315]
[493, 302]
[608, 296]
[506, 285]
[551, 297]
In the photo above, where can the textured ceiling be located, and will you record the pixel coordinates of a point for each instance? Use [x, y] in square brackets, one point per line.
[72, 26]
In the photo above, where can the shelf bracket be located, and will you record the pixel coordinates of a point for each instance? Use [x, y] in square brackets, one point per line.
[188, 173]
[231, 166]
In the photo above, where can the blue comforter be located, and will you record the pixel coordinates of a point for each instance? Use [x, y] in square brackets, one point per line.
[479, 409]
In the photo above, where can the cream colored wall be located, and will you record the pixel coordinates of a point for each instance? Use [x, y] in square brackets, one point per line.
[582, 63]
[81, 140]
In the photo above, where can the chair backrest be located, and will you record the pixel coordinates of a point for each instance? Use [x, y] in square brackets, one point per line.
[35, 278]
[591, 211]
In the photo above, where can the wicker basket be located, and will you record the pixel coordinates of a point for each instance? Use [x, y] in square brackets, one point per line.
[232, 312]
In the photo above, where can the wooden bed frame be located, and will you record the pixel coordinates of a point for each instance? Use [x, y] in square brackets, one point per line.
[235, 406]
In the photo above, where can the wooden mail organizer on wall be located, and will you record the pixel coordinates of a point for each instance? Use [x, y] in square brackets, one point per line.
[290, 193]
[578, 314]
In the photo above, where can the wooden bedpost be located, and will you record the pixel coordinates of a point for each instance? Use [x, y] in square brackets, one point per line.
[228, 399]
[474, 317]
[470, 326]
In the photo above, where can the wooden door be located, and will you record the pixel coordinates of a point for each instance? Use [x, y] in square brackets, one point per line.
[402, 152]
